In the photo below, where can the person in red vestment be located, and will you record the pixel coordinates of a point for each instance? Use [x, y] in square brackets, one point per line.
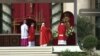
[31, 35]
[45, 35]
[62, 34]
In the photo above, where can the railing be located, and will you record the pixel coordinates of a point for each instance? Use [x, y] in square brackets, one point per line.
[14, 39]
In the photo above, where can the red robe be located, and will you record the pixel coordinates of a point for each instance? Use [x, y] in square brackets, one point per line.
[62, 31]
[31, 33]
[45, 35]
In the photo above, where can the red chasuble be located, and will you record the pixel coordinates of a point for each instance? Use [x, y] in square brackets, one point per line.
[62, 32]
[31, 33]
[45, 35]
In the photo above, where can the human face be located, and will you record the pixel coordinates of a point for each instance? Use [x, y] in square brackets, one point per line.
[43, 24]
[32, 24]
[24, 22]
[62, 23]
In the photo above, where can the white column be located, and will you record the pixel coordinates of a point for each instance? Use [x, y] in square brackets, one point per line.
[93, 17]
[75, 20]
[56, 14]
[6, 18]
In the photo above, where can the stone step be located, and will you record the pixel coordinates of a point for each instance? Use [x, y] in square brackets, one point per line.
[29, 55]
[64, 48]
[25, 50]
[25, 53]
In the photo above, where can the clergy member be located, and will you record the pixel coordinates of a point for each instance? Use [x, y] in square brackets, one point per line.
[62, 34]
[24, 34]
[44, 35]
[31, 36]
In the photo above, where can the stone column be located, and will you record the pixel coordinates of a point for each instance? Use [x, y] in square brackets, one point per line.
[56, 14]
[6, 18]
[75, 20]
[93, 17]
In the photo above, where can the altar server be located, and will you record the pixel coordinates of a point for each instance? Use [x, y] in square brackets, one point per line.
[24, 34]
